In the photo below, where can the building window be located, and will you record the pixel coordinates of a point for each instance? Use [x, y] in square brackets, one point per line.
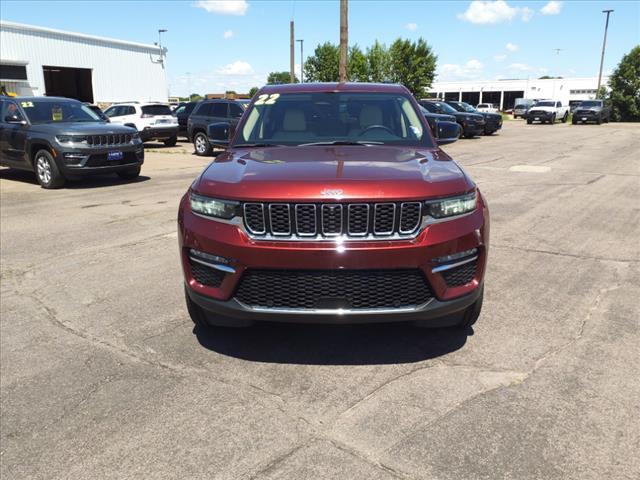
[13, 72]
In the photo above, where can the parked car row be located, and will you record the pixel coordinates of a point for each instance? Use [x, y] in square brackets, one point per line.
[471, 121]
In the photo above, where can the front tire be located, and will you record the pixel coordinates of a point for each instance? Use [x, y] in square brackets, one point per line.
[553, 119]
[201, 145]
[472, 313]
[129, 174]
[529, 121]
[564, 118]
[47, 172]
[171, 142]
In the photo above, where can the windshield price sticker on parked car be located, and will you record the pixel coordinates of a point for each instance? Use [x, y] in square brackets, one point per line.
[266, 99]
[26, 104]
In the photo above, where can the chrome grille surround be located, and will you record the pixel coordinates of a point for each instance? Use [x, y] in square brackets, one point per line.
[333, 221]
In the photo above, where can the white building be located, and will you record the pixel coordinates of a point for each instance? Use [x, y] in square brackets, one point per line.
[504, 92]
[42, 61]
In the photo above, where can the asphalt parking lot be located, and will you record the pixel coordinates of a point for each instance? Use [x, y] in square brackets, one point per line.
[103, 376]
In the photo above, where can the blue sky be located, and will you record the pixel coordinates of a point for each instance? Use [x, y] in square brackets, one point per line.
[234, 45]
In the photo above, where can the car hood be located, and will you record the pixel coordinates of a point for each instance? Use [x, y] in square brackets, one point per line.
[491, 116]
[441, 117]
[79, 128]
[317, 173]
[542, 109]
[463, 115]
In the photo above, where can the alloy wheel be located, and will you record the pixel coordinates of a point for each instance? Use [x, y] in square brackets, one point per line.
[43, 168]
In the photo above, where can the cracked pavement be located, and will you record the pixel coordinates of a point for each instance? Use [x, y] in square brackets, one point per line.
[103, 376]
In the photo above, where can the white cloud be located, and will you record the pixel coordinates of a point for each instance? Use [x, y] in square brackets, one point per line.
[227, 34]
[491, 12]
[451, 71]
[223, 7]
[525, 14]
[411, 27]
[500, 58]
[512, 47]
[521, 67]
[215, 81]
[551, 8]
[236, 68]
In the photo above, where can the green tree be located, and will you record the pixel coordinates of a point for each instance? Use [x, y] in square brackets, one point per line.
[412, 64]
[253, 91]
[357, 65]
[280, 77]
[625, 88]
[322, 66]
[378, 60]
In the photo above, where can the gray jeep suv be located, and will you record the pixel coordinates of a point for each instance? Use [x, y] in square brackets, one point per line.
[60, 139]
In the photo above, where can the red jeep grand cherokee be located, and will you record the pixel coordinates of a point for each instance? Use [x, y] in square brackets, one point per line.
[333, 203]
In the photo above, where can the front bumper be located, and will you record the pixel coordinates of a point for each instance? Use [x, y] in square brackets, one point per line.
[158, 133]
[94, 161]
[243, 253]
[472, 128]
[438, 313]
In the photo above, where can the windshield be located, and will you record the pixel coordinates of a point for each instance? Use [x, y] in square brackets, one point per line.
[156, 110]
[327, 117]
[439, 107]
[467, 107]
[593, 103]
[46, 111]
[546, 104]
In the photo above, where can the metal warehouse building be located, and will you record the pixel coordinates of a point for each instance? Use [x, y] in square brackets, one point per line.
[569, 91]
[42, 61]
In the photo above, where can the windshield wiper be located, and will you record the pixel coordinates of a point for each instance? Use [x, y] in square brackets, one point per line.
[342, 142]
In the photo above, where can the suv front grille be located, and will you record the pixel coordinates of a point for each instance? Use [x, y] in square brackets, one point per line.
[325, 221]
[109, 140]
[333, 289]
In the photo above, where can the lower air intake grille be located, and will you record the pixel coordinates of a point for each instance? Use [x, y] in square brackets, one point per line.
[331, 289]
[460, 275]
[206, 275]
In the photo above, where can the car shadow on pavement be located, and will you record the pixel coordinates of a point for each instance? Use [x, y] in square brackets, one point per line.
[90, 181]
[333, 344]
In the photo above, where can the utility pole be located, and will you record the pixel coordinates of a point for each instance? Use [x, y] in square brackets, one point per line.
[604, 44]
[292, 54]
[344, 39]
[301, 60]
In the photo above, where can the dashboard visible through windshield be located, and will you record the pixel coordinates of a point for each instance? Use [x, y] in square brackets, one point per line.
[332, 118]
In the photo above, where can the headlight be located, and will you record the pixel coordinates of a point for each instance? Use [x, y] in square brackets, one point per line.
[213, 207]
[71, 138]
[449, 207]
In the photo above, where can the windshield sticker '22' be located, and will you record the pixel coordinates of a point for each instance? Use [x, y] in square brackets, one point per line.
[266, 99]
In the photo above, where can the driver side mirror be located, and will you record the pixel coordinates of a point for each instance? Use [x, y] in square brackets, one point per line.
[448, 132]
[15, 120]
[220, 134]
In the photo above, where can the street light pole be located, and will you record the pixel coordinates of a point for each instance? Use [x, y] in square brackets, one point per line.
[301, 60]
[604, 44]
[160, 32]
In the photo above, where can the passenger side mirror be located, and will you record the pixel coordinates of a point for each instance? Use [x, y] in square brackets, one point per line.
[448, 132]
[14, 119]
[220, 134]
